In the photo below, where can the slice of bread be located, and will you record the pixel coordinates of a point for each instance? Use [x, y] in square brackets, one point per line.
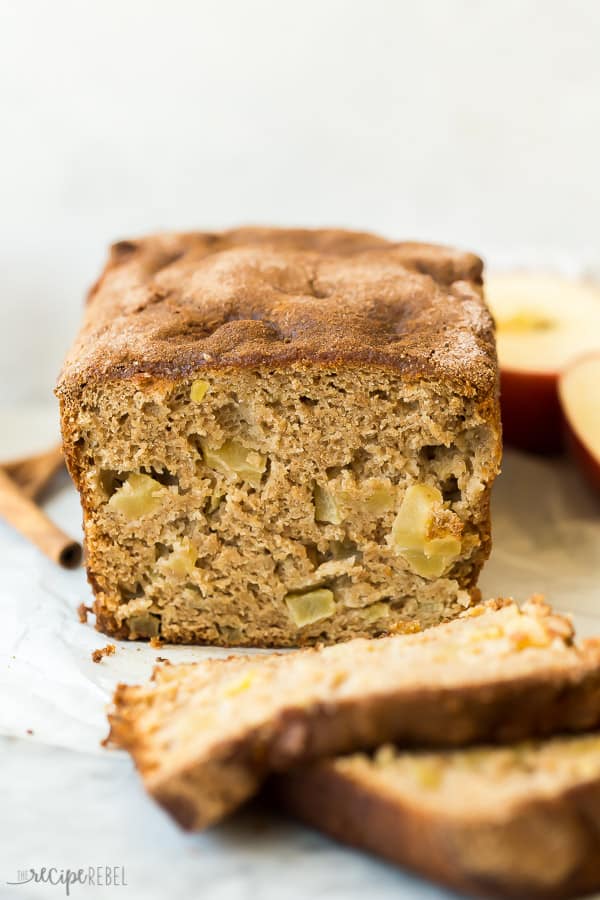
[520, 821]
[205, 735]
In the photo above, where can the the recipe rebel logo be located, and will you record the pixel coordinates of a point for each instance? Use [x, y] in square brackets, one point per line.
[88, 876]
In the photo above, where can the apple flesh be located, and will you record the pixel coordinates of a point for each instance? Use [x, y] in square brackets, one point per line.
[543, 323]
[579, 392]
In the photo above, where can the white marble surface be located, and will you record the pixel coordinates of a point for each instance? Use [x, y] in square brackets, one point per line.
[66, 802]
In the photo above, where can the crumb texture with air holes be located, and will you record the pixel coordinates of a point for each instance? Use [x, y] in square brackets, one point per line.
[233, 495]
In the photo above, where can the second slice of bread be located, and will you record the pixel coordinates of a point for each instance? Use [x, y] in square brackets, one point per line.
[520, 821]
[205, 735]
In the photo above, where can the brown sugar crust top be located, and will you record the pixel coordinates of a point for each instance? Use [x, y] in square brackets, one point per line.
[170, 304]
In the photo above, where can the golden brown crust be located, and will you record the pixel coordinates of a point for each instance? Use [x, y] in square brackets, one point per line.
[549, 848]
[171, 304]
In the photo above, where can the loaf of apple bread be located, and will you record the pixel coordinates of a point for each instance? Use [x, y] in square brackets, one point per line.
[282, 437]
[205, 735]
[521, 821]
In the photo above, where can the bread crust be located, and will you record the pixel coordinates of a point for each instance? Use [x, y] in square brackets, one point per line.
[549, 848]
[170, 304]
[201, 788]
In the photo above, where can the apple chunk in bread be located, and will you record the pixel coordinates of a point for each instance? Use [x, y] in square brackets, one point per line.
[579, 391]
[543, 323]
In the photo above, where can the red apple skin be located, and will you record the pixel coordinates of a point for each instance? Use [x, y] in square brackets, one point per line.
[532, 418]
[587, 463]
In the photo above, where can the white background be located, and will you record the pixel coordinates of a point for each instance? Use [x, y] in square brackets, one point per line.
[466, 121]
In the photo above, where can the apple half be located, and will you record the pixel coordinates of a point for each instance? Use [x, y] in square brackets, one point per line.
[543, 323]
[579, 392]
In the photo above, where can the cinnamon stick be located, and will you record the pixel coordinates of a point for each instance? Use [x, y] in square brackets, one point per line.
[23, 514]
[33, 473]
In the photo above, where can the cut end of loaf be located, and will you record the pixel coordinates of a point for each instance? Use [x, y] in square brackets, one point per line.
[276, 508]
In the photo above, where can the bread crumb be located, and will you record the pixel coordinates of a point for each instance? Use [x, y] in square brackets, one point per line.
[156, 643]
[98, 655]
[404, 628]
[82, 612]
